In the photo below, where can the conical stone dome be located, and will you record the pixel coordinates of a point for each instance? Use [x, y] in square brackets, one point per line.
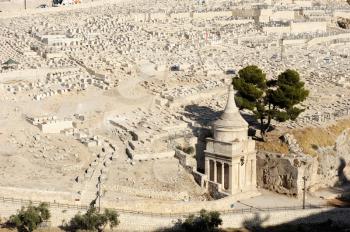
[230, 126]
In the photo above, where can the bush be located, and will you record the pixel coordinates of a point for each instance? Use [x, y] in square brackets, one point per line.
[93, 220]
[205, 222]
[188, 150]
[28, 219]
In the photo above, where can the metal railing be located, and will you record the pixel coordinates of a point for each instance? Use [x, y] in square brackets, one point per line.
[223, 212]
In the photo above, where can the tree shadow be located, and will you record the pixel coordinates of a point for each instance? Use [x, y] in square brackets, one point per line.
[336, 218]
[327, 221]
[342, 179]
[255, 223]
[342, 187]
[203, 115]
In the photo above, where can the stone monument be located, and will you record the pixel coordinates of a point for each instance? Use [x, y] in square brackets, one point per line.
[230, 156]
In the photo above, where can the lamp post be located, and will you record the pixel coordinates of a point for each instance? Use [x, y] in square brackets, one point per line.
[99, 194]
[304, 190]
[282, 48]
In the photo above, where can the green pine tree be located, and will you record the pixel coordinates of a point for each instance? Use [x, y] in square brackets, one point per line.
[274, 99]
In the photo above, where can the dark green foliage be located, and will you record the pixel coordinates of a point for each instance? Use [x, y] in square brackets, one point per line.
[205, 222]
[289, 91]
[273, 99]
[93, 220]
[251, 85]
[188, 149]
[28, 219]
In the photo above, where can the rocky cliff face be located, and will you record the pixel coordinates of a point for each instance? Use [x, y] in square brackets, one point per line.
[334, 162]
[284, 173]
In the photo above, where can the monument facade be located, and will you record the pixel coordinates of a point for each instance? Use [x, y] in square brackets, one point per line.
[230, 156]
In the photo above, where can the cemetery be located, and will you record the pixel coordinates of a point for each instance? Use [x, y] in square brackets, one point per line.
[132, 101]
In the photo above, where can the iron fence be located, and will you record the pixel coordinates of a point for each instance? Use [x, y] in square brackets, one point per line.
[125, 211]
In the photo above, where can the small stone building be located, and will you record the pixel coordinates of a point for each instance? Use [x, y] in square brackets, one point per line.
[230, 156]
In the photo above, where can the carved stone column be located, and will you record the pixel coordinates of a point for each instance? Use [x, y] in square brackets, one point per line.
[215, 171]
[207, 168]
[222, 175]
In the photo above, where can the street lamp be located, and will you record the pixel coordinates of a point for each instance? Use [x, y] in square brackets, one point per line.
[99, 194]
[304, 190]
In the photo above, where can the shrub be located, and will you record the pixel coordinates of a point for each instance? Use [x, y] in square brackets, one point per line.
[205, 222]
[188, 150]
[93, 220]
[28, 219]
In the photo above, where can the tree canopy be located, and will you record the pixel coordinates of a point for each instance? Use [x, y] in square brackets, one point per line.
[28, 219]
[205, 222]
[274, 99]
[94, 221]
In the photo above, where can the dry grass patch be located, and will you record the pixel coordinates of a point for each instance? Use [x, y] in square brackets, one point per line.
[273, 144]
[311, 138]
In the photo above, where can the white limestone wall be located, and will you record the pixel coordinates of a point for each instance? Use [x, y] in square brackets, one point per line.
[211, 14]
[195, 15]
[307, 27]
[282, 15]
[267, 15]
[55, 126]
[297, 28]
[158, 16]
[294, 42]
[303, 3]
[148, 193]
[328, 39]
[149, 222]
[180, 15]
[277, 30]
[37, 195]
[343, 14]
[132, 222]
[245, 12]
[237, 21]
[31, 74]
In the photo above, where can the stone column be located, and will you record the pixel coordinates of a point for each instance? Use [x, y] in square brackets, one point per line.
[251, 171]
[215, 172]
[230, 177]
[235, 177]
[254, 173]
[248, 168]
[242, 176]
[207, 167]
[222, 175]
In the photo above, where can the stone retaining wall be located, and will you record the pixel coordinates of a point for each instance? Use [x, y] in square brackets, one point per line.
[151, 223]
[146, 222]
[37, 195]
[149, 193]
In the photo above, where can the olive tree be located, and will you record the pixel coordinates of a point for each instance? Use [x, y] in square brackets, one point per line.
[29, 218]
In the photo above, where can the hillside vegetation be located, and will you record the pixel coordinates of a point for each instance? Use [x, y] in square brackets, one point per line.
[309, 138]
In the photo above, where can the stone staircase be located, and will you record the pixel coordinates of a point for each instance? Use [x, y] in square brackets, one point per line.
[87, 183]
